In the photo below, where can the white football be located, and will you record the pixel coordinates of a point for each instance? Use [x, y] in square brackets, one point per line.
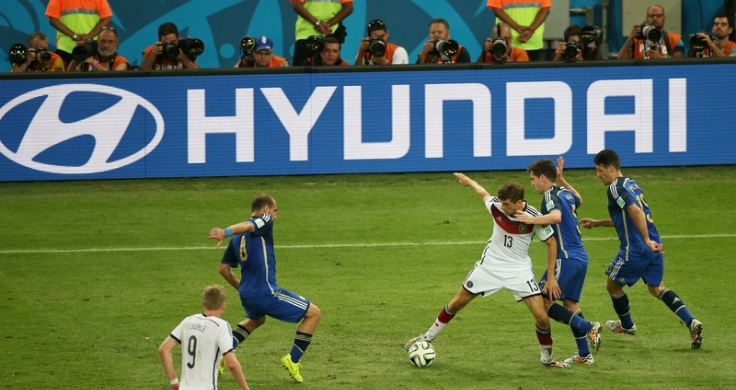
[422, 354]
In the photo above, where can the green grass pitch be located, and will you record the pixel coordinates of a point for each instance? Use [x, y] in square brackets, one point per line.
[95, 274]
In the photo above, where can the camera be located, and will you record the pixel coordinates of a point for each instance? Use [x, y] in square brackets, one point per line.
[649, 32]
[445, 48]
[42, 54]
[247, 44]
[591, 35]
[314, 44]
[18, 53]
[498, 48]
[698, 44]
[571, 50]
[171, 49]
[84, 50]
[192, 47]
[376, 46]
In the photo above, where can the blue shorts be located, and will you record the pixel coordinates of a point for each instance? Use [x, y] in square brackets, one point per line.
[284, 305]
[570, 276]
[647, 265]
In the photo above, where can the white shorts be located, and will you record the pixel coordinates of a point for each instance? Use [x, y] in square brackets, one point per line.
[481, 280]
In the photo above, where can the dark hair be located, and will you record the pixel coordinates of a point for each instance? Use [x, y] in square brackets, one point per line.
[330, 39]
[166, 29]
[35, 35]
[261, 201]
[512, 191]
[607, 158]
[440, 20]
[543, 167]
[571, 30]
[374, 25]
[728, 19]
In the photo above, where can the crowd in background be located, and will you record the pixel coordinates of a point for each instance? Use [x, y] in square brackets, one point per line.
[86, 42]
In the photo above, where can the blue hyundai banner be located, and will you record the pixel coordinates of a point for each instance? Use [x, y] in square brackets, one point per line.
[353, 122]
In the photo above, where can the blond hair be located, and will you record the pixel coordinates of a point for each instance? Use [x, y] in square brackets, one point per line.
[213, 297]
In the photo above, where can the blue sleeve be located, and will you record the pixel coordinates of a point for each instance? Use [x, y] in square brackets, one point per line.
[230, 257]
[263, 225]
[552, 204]
[623, 197]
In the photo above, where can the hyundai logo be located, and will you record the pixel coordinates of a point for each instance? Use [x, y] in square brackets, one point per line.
[107, 127]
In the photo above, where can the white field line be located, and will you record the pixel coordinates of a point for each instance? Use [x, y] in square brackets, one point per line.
[281, 247]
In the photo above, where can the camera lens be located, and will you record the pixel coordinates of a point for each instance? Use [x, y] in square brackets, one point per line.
[376, 46]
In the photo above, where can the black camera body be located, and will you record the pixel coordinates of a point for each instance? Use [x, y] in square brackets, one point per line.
[170, 50]
[591, 36]
[376, 46]
[445, 48]
[499, 48]
[18, 54]
[571, 50]
[192, 47]
[314, 44]
[649, 33]
[247, 45]
[698, 44]
[84, 50]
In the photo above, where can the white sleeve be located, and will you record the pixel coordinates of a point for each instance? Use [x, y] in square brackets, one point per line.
[178, 332]
[544, 232]
[225, 338]
[401, 57]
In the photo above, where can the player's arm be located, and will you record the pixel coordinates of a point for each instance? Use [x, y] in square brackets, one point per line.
[554, 217]
[234, 366]
[221, 234]
[589, 223]
[551, 288]
[164, 352]
[468, 182]
[561, 179]
[227, 273]
[640, 221]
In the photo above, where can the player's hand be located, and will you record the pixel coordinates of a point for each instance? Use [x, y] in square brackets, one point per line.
[175, 387]
[560, 166]
[588, 223]
[217, 234]
[654, 246]
[552, 289]
[523, 217]
[464, 180]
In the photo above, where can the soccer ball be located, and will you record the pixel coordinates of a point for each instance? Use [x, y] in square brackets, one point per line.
[422, 353]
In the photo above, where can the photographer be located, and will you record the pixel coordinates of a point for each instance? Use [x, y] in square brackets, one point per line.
[655, 42]
[329, 54]
[702, 45]
[101, 55]
[585, 42]
[38, 58]
[439, 35]
[318, 18]
[166, 54]
[260, 55]
[375, 49]
[501, 50]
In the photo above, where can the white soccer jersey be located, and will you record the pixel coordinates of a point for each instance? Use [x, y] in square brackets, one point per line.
[508, 247]
[204, 339]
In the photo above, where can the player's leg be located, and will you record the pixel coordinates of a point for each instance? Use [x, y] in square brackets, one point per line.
[627, 273]
[255, 317]
[564, 277]
[653, 277]
[457, 303]
[535, 303]
[290, 307]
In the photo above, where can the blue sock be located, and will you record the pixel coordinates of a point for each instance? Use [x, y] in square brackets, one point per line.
[675, 304]
[621, 305]
[560, 313]
[301, 342]
[581, 338]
